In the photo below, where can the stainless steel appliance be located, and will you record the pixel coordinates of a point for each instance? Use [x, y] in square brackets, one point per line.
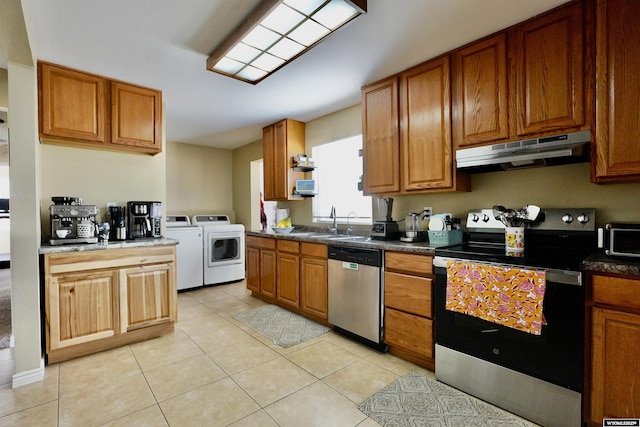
[71, 221]
[538, 377]
[355, 295]
[620, 239]
[118, 222]
[549, 150]
[144, 220]
[413, 231]
[384, 227]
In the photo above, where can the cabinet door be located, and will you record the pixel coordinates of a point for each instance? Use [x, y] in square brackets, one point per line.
[281, 163]
[81, 307]
[314, 276]
[615, 372]
[253, 269]
[381, 138]
[425, 108]
[617, 89]
[268, 163]
[72, 104]
[268, 273]
[479, 84]
[149, 294]
[548, 74]
[280, 142]
[136, 117]
[408, 332]
[288, 282]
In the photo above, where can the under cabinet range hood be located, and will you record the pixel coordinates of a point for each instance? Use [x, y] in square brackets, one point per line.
[544, 151]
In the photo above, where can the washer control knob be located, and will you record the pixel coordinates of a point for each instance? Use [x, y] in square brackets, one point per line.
[583, 218]
[474, 217]
[485, 218]
[567, 218]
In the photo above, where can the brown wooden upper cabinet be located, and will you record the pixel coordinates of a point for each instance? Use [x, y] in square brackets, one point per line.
[425, 127]
[381, 137]
[407, 132]
[617, 88]
[480, 104]
[86, 110]
[523, 82]
[280, 142]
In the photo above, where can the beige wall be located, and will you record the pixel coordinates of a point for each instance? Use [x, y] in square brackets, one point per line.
[4, 87]
[242, 194]
[99, 177]
[199, 180]
[549, 187]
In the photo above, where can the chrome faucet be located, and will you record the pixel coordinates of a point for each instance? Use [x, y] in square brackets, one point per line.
[335, 220]
[349, 228]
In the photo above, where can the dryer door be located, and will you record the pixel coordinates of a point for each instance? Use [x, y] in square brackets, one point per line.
[224, 248]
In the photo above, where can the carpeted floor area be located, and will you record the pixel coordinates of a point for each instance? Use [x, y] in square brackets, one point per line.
[5, 308]
[416, 400]
[281, 326]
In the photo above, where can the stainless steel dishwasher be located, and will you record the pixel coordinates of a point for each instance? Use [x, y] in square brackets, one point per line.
[355, 293]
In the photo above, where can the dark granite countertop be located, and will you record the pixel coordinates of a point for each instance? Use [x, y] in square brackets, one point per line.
[50, 249]
[424, 248]
[601, 263]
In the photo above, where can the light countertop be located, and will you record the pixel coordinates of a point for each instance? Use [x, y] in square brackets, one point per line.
[46, 248]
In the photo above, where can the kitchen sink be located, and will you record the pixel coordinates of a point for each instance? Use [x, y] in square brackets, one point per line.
[343, 238]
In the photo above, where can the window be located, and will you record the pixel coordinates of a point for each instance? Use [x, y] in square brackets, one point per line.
[337, 176]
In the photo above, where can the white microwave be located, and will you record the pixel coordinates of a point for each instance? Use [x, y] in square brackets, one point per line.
[306, 187]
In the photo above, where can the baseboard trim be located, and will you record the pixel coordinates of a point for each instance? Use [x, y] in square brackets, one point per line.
[28, 377]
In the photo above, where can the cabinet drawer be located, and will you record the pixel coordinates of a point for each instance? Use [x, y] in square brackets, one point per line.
[408, 293]
[314, 249]
[288, 246]
[421, 265]
[261, 242]
[617, 291]
[408, 332]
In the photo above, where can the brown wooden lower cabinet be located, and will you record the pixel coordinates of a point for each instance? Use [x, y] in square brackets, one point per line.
[613, 371]
[290, 274]
[261, 266]
[314, 273]
[96, 300]
[408, 307]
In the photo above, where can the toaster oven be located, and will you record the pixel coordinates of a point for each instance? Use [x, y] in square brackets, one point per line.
[620, 239]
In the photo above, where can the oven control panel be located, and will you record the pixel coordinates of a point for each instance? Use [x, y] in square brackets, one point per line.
[556, 219]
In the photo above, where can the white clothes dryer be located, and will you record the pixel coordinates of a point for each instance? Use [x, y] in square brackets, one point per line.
[224, 248]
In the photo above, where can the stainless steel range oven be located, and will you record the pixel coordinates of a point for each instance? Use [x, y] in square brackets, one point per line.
[535, 375]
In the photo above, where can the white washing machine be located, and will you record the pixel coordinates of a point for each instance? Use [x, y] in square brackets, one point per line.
[223, 249]
[188, 251]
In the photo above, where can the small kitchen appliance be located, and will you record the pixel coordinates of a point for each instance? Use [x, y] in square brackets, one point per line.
[620, 239]
[118, 222]
[71, 221]
[144, 220]
[384, 227]
[538, 376]
[413, 231]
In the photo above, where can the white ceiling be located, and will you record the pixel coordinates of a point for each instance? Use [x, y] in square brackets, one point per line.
[164, 44]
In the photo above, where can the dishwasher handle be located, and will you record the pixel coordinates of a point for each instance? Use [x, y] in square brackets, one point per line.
[356, 255]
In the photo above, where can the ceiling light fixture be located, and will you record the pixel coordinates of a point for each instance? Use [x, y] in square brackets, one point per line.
[278, 31]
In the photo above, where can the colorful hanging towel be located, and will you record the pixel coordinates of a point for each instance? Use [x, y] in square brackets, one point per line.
[504, 295]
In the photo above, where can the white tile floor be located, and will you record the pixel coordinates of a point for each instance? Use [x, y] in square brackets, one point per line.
[213, 371]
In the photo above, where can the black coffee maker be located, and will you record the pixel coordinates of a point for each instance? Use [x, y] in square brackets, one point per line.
[144, 220]
[118, 222]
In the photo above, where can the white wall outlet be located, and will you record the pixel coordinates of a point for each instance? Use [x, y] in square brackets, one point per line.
[427, 212]
[109, 204]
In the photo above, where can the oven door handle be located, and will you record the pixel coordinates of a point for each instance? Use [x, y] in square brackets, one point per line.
[566, 277]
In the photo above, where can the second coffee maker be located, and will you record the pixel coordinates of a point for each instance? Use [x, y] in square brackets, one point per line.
[144, 220]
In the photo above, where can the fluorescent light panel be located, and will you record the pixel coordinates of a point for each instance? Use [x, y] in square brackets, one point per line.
[277, 32]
